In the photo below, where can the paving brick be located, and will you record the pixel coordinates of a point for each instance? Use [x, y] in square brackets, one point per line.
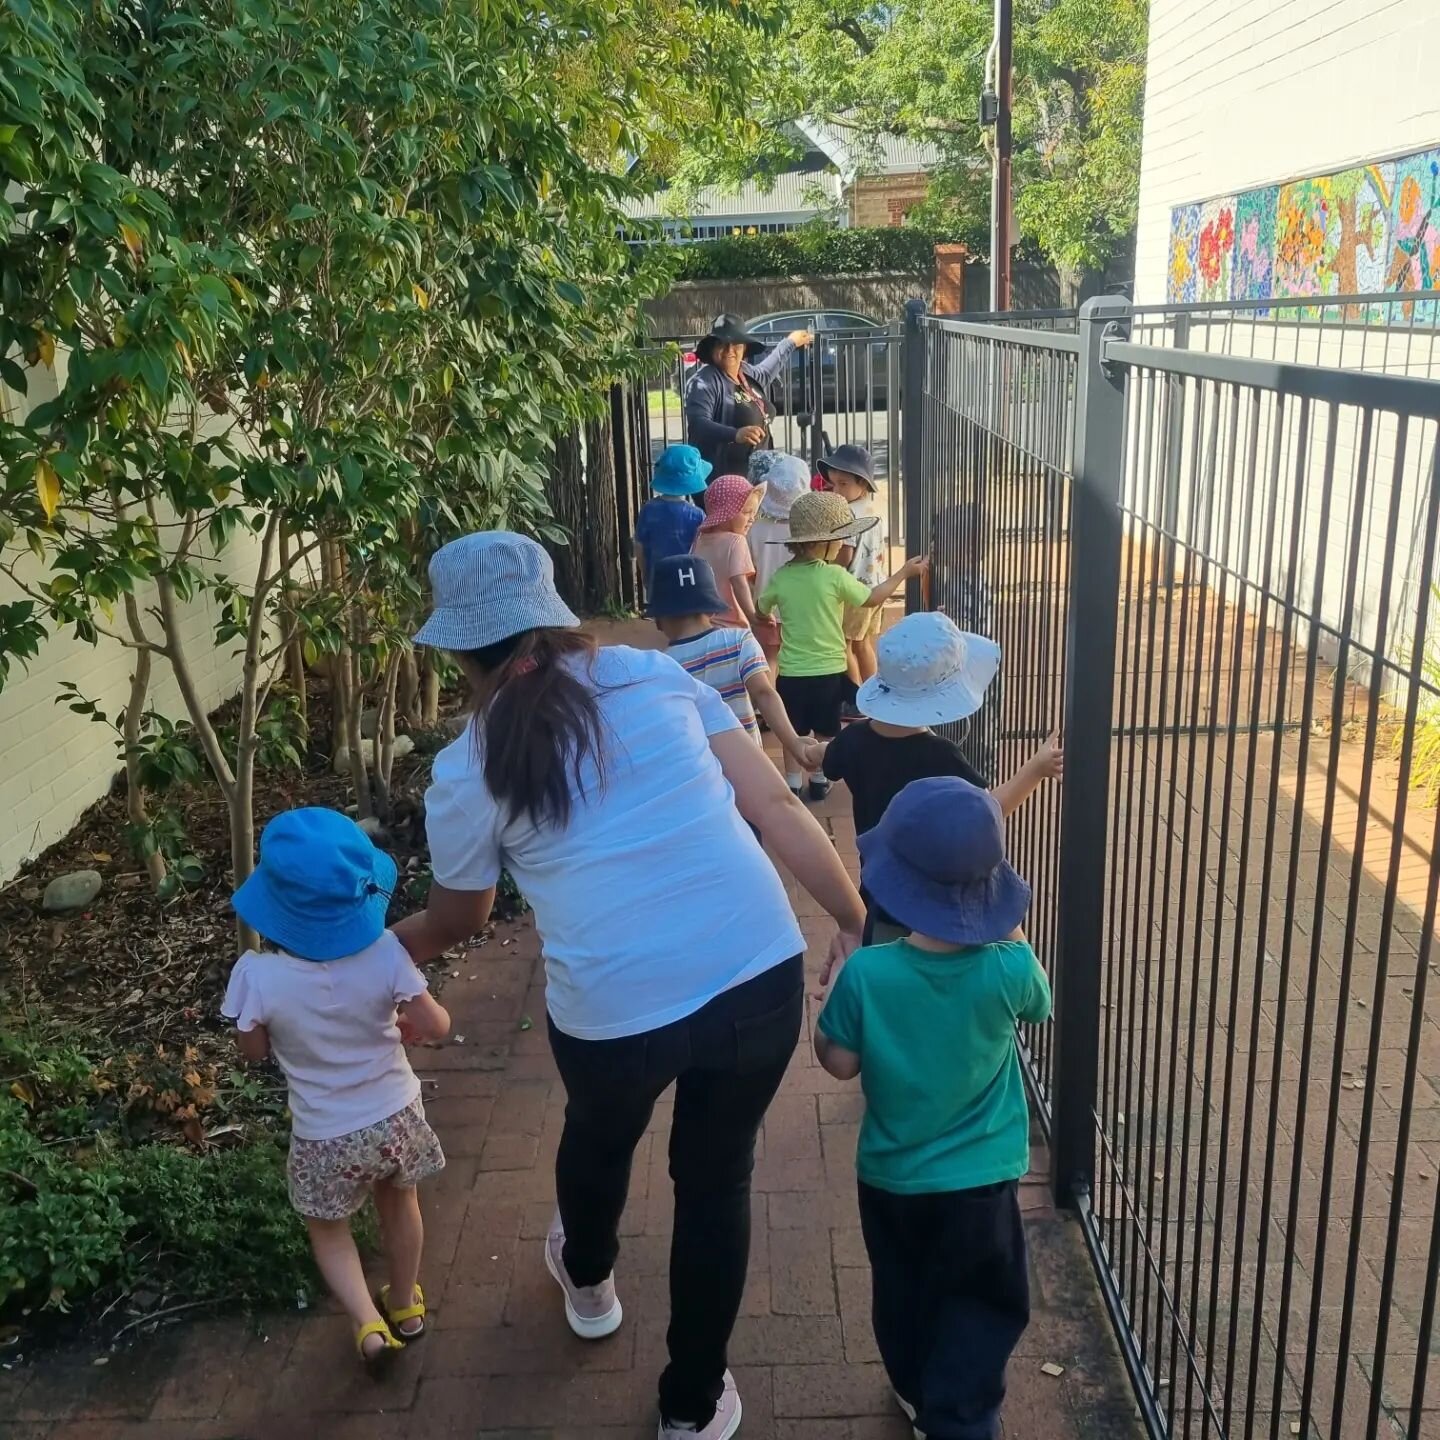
[802, 1275]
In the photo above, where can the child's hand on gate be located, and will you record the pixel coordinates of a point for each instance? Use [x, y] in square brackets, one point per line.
[1048, 762]
[916, 566]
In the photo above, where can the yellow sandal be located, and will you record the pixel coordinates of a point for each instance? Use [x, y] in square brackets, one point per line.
[386, 1351]
[407, 1312]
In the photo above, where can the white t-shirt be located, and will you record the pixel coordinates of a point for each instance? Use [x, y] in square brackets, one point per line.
[869, 565]
[768, 557]
[655, 897]
[332, 1031]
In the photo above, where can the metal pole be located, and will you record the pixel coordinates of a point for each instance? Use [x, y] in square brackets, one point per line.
[1094, 588]
[918, 510]
[1174, 450]
[1000, 204]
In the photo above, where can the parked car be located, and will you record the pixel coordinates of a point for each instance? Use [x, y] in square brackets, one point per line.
[854, 370]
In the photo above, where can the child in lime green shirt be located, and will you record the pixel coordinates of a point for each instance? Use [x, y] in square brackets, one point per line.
[928, 1023]
[810, 594]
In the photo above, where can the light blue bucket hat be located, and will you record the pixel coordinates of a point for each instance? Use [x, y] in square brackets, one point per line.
[930, 672]
[487, 587]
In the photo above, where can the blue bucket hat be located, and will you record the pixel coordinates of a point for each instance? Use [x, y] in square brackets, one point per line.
[321, 888]
[680, 471]
[683, 585]
[936, 862]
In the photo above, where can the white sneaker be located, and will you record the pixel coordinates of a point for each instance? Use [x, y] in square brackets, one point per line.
[723, 1425]
[908, 1410]
[593, 1311]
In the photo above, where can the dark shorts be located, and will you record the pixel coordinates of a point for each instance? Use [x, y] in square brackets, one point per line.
[813, 702]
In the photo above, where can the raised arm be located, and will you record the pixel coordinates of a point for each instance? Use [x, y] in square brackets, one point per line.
[1047, 763]
[770, 364]
[795, 836]
[912, 569]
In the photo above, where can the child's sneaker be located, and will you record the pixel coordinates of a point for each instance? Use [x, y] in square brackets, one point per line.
[722, 1426]
[593, 1311]
[796, 782]
[819, 790]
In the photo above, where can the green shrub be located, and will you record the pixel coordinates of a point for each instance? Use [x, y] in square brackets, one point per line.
[97, 1196]
[811, 250]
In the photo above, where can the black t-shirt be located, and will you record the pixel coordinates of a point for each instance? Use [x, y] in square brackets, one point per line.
[876, 768]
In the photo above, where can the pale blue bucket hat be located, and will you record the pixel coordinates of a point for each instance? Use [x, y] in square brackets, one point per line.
[321, 889]
[485, 588]
[929, 672]
[936, 864]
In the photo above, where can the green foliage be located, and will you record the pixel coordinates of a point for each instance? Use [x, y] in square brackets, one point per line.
[915, 69]
[96, 1197]
[813, 250]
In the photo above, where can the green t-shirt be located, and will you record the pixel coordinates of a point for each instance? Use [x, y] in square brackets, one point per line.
[944, 1097]
[811, 597]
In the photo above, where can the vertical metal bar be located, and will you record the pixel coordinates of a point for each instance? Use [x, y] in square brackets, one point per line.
[918, 513]
[1090, 686]
[1174, 449]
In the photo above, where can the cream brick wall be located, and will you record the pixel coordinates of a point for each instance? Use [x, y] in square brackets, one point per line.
[1254, 92]
[54, 764]
[884, 200]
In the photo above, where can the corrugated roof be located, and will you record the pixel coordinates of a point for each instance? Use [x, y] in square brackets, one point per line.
[856, 152]
[793, 192]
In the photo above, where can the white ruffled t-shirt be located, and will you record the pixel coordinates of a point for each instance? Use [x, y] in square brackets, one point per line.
[332, 1031]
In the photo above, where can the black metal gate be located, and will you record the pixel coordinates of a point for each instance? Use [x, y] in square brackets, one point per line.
[1217, 572]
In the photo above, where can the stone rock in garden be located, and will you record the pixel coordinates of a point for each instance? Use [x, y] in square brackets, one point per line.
[369, 723]
[372, 827]
[341, 763]
[71, 892]
[456, 724]
[404, 746]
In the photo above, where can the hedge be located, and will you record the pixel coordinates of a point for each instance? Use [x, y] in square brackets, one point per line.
[813, 250]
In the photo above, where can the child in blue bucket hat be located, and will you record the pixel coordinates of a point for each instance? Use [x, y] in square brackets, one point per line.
[334, 997]
[668, 524]
[928, 1024]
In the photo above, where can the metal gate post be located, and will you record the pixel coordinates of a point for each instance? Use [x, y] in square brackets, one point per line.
[1094, 586]
[919, 531]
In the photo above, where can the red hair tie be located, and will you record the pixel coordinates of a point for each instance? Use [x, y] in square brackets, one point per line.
[526, 665]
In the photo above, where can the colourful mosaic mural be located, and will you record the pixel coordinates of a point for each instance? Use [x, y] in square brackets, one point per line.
[1372, 229]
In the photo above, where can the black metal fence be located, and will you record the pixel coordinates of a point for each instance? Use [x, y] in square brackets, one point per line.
[1217, 571]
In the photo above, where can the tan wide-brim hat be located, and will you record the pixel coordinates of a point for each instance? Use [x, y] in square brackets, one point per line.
[822, 516]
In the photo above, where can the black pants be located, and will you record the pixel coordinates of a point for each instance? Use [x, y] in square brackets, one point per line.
[726, 1062]
[950, 1299]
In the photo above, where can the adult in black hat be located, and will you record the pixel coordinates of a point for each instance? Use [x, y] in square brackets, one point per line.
[726, 415]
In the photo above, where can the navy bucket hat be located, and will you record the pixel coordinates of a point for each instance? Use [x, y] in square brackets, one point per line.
[936, 863]
[321, 889]
[683, 585]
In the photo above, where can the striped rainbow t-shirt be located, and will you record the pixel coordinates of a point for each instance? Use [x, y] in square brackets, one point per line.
[724, 659]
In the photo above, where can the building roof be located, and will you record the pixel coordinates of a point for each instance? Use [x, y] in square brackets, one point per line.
[792, 192]
[854, 152]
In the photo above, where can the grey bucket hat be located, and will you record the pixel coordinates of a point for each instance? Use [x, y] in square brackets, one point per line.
[487, 587]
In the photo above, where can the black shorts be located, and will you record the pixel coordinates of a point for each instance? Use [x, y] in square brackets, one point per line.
[813, 702]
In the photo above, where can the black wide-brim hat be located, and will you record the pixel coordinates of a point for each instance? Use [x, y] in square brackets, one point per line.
[851, 460]
[728, 330]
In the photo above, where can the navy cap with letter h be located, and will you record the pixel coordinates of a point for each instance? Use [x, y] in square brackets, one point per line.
[683, 585]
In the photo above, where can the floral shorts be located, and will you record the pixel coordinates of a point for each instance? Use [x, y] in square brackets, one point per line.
[330, 1179]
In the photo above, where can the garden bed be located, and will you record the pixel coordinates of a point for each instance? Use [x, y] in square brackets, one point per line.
[141, 1165]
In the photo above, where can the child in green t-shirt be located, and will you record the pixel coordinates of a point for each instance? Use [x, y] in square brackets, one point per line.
[928, 1023]
[810, 594]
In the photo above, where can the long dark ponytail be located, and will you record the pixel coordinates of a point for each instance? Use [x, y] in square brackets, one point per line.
[537, 721]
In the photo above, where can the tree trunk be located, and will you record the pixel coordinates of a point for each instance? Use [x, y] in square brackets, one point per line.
[566, 493]
[242, 833]
[354, 739]
[135, 810]
[430, 705]
[384, 759]
[295, 650]
[601, 528]
[407, 702]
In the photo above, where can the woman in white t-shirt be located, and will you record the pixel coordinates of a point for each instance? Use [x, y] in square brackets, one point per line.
[612, 786]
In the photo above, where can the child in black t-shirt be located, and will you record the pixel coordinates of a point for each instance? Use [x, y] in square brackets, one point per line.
[930, 673]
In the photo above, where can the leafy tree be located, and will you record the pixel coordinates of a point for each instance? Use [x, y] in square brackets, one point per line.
[320, 278]
[915, 69]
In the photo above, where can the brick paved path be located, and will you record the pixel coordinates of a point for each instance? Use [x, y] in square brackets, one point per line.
[500, 1363]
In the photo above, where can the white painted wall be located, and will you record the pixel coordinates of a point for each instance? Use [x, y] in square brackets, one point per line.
[1243, 93]
[53, 764]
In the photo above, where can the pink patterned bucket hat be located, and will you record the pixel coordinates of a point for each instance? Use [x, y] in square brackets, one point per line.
[726, 498]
